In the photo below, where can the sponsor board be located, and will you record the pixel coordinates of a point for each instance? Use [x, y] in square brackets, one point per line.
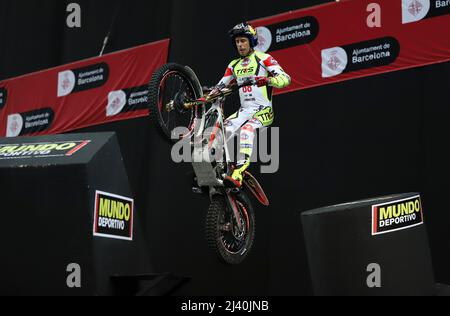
[78, 92]
[82, 79]
[287, 34]
[396, 215]
[113, 216]
[364, 55]
[41, 150]
[127, 100]
[20, 124]
[312, 52]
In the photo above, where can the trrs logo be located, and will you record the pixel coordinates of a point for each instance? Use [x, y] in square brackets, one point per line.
[266, 116]
[113, 216]
[396, 215]
[245, 71]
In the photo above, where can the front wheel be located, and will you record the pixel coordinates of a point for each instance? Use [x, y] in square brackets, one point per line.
[170, 87]
[222, 234]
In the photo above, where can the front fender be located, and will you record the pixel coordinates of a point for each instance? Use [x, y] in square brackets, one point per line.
[253, 185]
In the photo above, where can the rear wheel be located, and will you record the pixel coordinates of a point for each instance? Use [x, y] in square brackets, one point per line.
[170, 87]
[229, 243]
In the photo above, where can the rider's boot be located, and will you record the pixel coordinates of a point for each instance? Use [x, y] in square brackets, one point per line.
[235, 180]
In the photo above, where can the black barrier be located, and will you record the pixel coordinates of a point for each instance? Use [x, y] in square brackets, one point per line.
[371, 247]
[69, 221]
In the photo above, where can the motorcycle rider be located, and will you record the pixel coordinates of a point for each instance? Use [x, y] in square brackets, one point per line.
[256, 112]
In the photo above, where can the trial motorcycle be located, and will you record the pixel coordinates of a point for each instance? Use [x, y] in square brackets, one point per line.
[184, 111]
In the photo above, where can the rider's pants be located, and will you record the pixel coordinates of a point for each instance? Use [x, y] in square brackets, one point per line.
[247, 120]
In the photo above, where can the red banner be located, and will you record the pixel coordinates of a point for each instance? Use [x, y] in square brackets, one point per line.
[356, 38]
[90, 92]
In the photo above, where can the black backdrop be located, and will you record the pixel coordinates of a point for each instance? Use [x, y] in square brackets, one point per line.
[352, 140]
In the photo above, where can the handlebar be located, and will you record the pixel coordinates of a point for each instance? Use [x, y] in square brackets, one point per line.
[224, 92]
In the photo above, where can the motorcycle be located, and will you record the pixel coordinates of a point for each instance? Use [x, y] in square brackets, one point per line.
[178, 102]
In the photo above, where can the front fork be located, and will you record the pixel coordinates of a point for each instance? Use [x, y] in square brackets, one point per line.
[232, 205]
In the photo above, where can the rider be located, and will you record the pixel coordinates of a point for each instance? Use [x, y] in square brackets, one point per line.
[264, 73]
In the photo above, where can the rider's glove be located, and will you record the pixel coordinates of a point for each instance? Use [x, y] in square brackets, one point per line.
[261, 81]
[216, 89]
